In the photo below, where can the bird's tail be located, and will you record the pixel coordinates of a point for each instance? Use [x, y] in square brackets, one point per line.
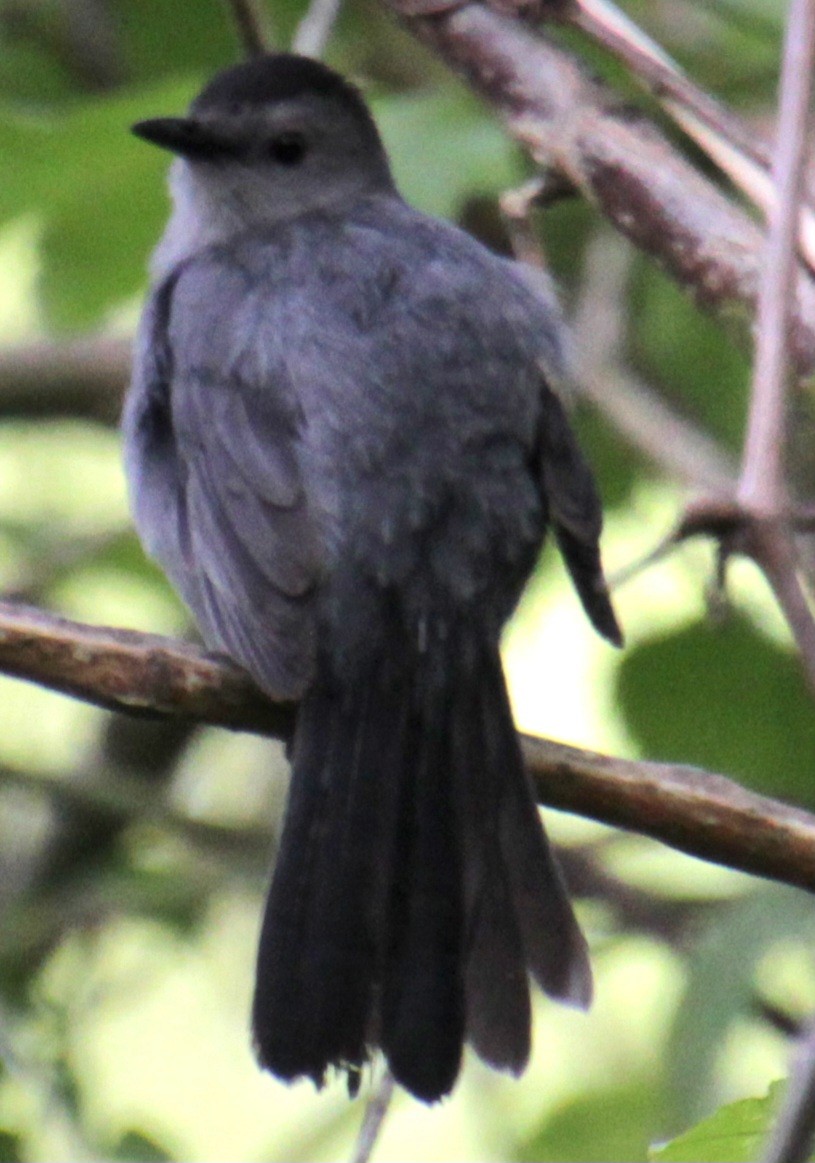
[415, 889]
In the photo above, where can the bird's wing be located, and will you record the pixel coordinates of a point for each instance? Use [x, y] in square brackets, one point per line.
[244, 552]
[576, 513]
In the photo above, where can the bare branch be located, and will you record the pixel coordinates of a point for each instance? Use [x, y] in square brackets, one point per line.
[315, 28]
[649, 63]
[737, 148]
[572, 124]
[773, 550]
[761, 489]
[695, 811]
[123, 670]
[83, 377]
[792, 1138]
[250, 26]
[375, 1113]
[703, 814]
[770, 543]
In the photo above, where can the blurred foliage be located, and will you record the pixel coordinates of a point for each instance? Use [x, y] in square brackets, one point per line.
[603, 1125]
[133, 854]
[723, 677]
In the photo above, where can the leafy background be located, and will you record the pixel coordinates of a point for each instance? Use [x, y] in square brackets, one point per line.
[133, 856]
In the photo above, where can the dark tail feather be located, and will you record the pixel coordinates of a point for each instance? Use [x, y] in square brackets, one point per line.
[319, 951]
[497, 987]
[415, 887]
[423, 996]
[554, 947]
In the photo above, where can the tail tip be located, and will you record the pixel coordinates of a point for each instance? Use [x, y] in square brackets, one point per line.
[573, 985]
[601, 613]
[580, 990]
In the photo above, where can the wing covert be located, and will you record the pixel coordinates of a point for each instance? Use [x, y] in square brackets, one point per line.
[247, 558]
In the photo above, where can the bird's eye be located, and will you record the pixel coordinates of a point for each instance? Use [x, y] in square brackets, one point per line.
[288, 149]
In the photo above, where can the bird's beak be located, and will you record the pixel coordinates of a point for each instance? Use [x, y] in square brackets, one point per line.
[185, 136]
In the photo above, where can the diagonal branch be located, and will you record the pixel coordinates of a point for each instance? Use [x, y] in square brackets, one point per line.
[794, 1133]
[696, 812]
[648, 63]
[573, 124]
[315, 27]
[249, 24]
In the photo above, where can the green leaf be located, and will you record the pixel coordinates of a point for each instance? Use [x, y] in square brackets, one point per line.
[734, 1134]
[608, 1126]
[724, 698]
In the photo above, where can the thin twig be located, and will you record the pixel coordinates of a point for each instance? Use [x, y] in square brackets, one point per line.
[761, 488]
[649, 63]
[761, 492]
[315, 28]
[695, 811]
[639, 565]
[794, 1132]
[250, 26]
[773, 550]
[375, 1113]
[738, 149]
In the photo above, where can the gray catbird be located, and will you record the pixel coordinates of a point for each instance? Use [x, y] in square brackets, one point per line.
[343, 447]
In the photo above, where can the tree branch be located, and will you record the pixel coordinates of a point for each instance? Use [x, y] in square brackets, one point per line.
[250, 26]
[648, 63]
[83, 377]
[793, 1135]
[573, 124]
[698, 812]
[314, 29]
[373, 1119]
[702, 814]
[124, 670]
[761, 489]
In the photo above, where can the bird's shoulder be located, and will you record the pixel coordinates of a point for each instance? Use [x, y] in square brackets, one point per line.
[446, 277]
[377, 257]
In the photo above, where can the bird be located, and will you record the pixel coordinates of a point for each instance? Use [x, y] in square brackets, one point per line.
[345, 446]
